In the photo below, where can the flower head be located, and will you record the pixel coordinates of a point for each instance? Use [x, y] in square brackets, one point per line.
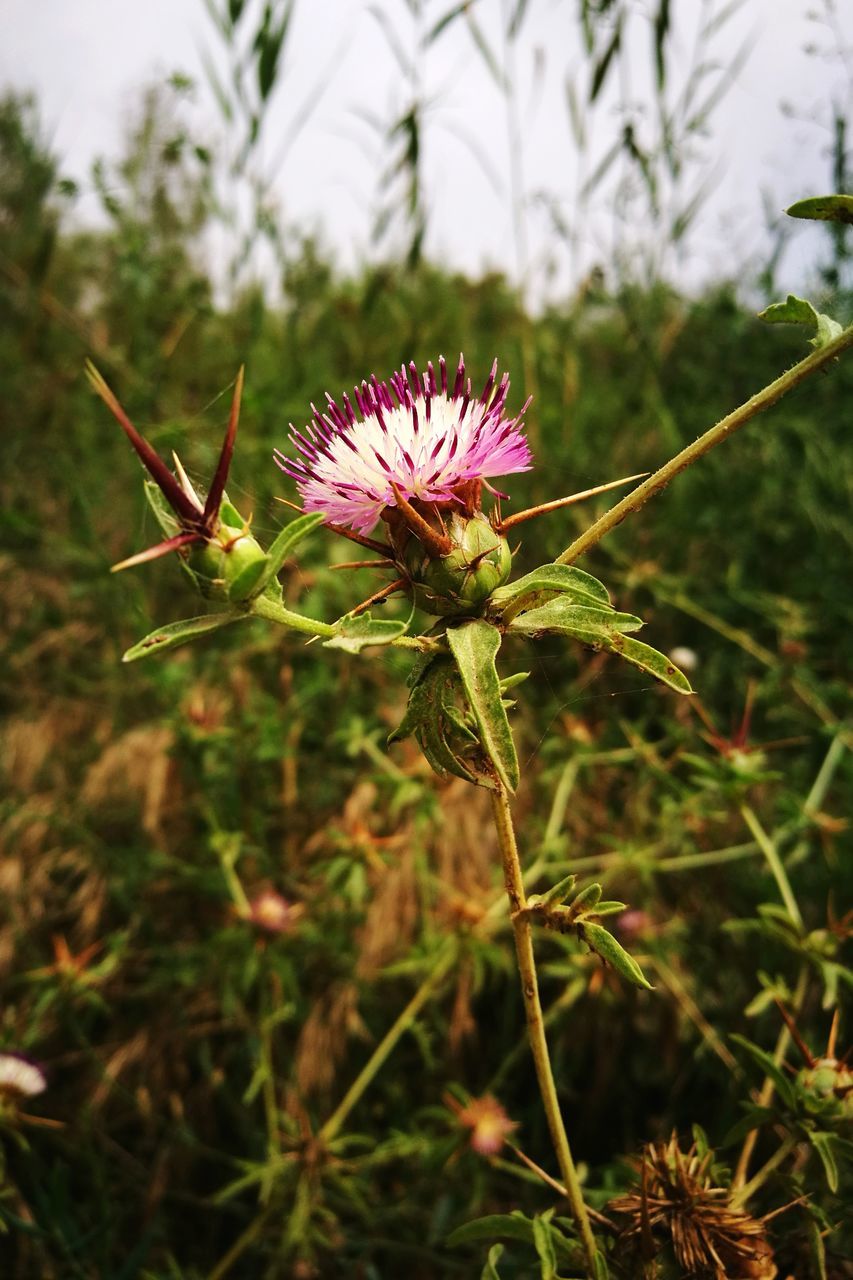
[20, 1077]
[413, 436]
[271, 913]
[487, 1121]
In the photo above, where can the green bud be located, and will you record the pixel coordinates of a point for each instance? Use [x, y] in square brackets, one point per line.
[460, 583]
[229, 566]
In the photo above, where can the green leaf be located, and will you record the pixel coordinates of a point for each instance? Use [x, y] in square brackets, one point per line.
[784, 1087]
[544, 1245]
[163, 513]
[561, 579]
[796, 310]
[561, 616]
[509, 1226]
[558, 892]
[490, 1270]
[650, 660]
[823, 1145]
[601, 1270]
[355, 634]
[605, 945]
[432, 716]
[176, 633]
[284, 543]
[754, 1119]
[836, 208]
[474, 646]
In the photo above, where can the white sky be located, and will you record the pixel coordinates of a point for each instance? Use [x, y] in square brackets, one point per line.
[87, 61]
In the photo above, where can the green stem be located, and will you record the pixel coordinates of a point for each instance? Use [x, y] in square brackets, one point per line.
[715, 435]
[740, 1198]
[774, 862]
[441, 966]
[272, 611]
[535, 1022]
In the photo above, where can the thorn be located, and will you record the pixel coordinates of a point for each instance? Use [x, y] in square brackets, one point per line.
[294, 506]
[151, 460]
[437, 544]
[217, 485]
[161, 549]
[545, 507]
[804, 1049]
[363, 564]
[379, 597]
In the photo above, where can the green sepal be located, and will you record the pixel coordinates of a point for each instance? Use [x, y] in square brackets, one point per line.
[837, 208]
[284, 543]
[356, 633]
[796, 310]
[474, 646]
[246, 581]
[176, 633]
[611, 952]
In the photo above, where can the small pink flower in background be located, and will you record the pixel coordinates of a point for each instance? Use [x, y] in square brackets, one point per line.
[20, 1077]
[417, 434]
[272, 913]
[488, 1122]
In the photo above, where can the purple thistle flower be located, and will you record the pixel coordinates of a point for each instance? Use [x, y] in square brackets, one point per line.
[413, 433]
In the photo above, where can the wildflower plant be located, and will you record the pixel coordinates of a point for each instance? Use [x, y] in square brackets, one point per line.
[404, 468]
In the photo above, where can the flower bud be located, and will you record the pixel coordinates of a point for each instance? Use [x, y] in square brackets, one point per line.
[459, 583]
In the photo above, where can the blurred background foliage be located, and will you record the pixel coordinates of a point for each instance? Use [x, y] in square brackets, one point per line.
[192, 1055]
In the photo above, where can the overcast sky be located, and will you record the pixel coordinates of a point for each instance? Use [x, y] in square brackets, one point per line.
[88, 60]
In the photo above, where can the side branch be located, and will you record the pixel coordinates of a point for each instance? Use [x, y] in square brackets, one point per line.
[715, 435]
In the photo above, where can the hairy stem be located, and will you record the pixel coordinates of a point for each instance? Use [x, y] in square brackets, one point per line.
[715, 435]
[535, 1022]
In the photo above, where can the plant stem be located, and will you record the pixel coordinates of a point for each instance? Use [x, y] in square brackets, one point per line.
[774, 862]
[740, 1198]
[446, 958]
[763, 399]
[535, 1023]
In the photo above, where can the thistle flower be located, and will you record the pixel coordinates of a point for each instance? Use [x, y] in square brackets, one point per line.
[417, 453]
[416, 438]
[20, 1078]
[678, 1212]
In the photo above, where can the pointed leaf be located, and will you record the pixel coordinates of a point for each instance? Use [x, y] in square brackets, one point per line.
[823, 1145]
[475, 645]
[558, 892]
[784, 1087]
[355, 634]
[285, 541]
[606, 946]
[176, 633]
[824, 208]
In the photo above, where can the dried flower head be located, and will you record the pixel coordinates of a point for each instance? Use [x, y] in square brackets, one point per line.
[20, 1077]
[677, 1211]
[487, 1121]
[414, 437]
